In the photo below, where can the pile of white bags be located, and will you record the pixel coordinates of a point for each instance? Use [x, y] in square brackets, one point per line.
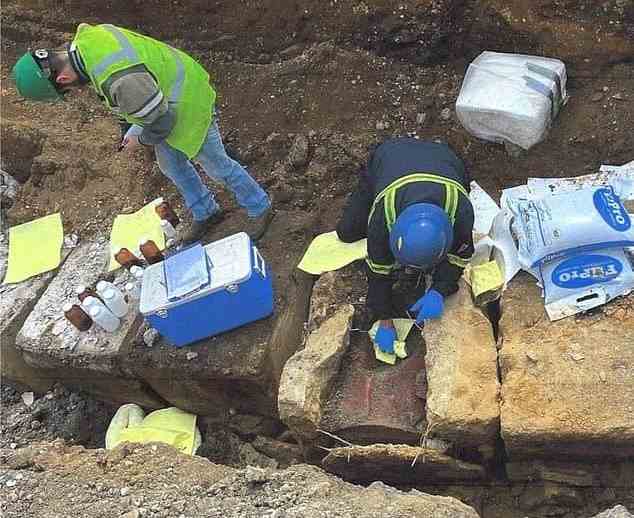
[511, 97]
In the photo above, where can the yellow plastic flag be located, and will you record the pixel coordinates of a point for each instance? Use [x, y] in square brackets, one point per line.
[327, 253]
[128, 229]
[34, 247]
[486, 281]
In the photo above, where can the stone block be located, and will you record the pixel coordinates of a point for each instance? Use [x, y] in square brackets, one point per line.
[87, 361]
[16, 302]
[48, 340]
[462, 383]
[307, 379]
[566, 386]
[399, 464]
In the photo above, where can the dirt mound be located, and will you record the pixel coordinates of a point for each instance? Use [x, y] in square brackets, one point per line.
[155, 480]
[344, 75]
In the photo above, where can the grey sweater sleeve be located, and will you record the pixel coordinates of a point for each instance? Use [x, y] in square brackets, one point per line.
[134, 92]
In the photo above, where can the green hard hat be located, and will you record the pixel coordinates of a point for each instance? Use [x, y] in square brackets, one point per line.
[31, 81]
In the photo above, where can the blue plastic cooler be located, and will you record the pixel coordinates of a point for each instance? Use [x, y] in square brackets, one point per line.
[204, 291]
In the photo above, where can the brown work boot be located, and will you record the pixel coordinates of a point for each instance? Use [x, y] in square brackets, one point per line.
[256, 227]
[199, 228]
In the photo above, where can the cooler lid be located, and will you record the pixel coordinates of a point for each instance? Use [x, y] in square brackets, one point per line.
[229, 262]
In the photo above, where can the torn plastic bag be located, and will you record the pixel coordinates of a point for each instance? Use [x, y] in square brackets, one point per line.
[586, 280]
[561, 225]
[511, 97]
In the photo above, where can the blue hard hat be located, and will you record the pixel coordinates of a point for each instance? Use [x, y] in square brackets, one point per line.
[422, 236]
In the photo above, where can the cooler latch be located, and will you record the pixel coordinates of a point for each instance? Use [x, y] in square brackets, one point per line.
[258, 263]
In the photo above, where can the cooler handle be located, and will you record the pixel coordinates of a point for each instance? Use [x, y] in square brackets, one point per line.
[260, 265]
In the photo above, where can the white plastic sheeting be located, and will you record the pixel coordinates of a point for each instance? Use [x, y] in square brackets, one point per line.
[511, 97]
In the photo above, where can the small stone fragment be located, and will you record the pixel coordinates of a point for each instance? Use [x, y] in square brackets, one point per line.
[150, 336]
[190, 356]
[445, 114]
[27, 398]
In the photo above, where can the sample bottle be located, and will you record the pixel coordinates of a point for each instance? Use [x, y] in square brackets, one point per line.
[103, 286]
[83, 292]
[166, 212]
[103, 318]
[150, 251]
[77, 316]
[115, 302]
[127, 259]
[137, 273]
[168, 229]
[133, 291]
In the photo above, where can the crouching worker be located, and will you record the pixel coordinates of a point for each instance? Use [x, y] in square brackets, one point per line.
[166, 98]
[412, 204]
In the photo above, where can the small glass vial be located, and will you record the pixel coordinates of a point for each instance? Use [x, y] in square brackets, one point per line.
[127, 259]
[104, 319]
[115, 302]
[168, 229]
[77, 316]
[166, 212]
[150, 251]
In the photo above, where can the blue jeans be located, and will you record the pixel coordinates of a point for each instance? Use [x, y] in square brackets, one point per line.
[219, 167]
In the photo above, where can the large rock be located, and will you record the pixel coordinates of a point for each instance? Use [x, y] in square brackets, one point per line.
[399, 464]
[308, 375]
[566, 386]
[462, 383]
[616, 512]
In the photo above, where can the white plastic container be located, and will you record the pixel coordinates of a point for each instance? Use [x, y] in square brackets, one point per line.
[114, 300]
[511, 97]
[90, 302]
[103, 286]
[104, 319]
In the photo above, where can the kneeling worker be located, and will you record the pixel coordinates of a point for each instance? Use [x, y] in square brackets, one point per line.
[412, 204]
[166, 96]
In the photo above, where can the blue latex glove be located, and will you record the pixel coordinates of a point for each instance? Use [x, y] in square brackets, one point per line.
[430, 305]
[385, 337]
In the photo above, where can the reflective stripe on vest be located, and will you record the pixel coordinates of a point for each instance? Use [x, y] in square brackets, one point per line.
[127, 52]
[452, 198]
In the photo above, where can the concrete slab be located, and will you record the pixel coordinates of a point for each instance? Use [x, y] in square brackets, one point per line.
[462, 383]
[567, 386]
[87, 361]
[48, 340]
[400, 464]
[373, 402]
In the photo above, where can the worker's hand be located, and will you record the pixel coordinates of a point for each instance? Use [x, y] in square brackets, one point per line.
[430, 305]
[130, 143]
[130, 140]
[386, 336]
